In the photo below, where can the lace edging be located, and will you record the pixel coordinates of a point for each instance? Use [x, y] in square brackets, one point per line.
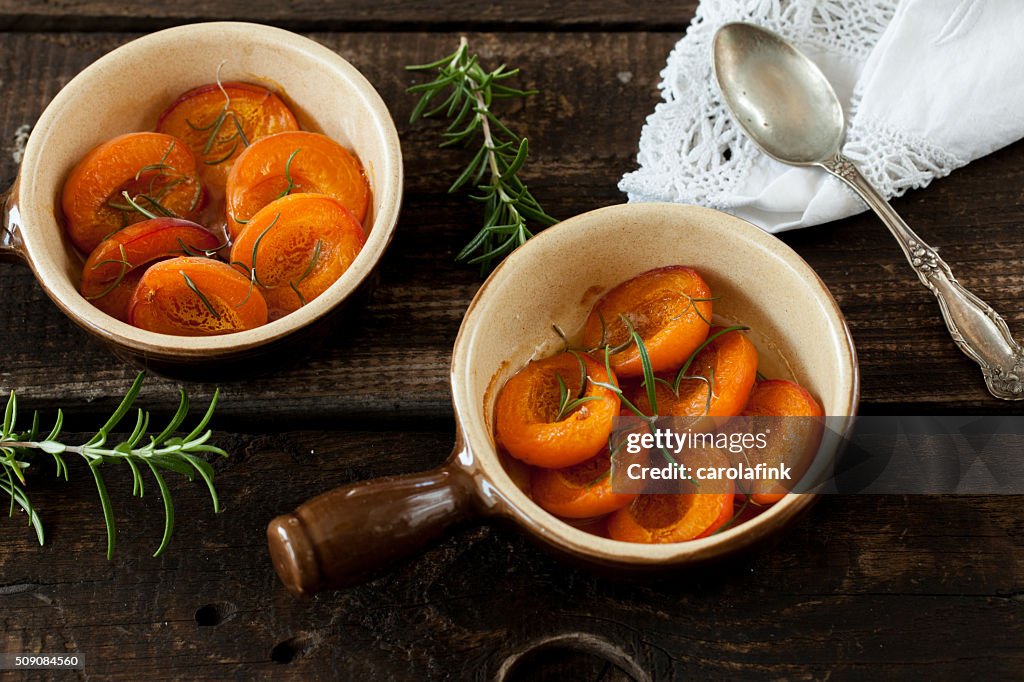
[690, 149]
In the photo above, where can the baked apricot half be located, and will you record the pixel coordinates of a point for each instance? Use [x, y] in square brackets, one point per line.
[553, 414]
[293, 163]
[114, 268]
[189, 296]
[296, 247]
[716, 384]
[218, 121]
[669, 308]
[580, 491]
[158, 173]
[655, 519]
[792, 441]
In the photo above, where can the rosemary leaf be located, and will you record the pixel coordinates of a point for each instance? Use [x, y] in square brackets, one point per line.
[168, 510]
[176, 420]
[18, 497]
[202, 297]
[108, 512]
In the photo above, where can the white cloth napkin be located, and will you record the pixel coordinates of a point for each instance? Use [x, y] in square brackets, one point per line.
[927, 87]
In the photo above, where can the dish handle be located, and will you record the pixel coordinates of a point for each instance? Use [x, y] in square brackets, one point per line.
[352, 533]
[11, 247]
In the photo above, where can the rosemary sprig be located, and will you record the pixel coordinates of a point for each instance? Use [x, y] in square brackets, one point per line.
[125, 267]
[132, 204]
[619, 392]
[160, 165]
[567, 403]
[214, 128]
[464, 92]
[648, 383]
[254, 280]
[162, 452]
[154, 196]
[691, 302]
[192, 250]
[681, 374]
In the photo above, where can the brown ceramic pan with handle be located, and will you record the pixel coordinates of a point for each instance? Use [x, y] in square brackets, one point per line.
[125, 91]
[353, 532]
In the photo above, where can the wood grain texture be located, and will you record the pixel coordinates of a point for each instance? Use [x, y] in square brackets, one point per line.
[392, 363]
[349, 15]
[861, 587]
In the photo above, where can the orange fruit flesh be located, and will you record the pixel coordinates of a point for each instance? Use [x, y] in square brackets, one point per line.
[117, 166]
[165, 302]
[664, 307]
[303, 244]
[193, 118]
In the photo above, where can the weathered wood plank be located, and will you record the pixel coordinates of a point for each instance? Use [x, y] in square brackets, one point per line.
[350, 15]
[596, 90]
[862, 587]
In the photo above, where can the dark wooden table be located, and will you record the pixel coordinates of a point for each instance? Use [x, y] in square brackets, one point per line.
[863, 587]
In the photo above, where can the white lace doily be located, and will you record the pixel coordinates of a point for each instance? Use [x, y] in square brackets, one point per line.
[692, 152]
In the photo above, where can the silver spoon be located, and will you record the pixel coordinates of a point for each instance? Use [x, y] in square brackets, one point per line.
[789, 109]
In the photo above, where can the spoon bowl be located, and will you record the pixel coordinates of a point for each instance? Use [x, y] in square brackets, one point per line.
[780, 97]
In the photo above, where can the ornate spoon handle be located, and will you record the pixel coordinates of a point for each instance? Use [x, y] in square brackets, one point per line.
[976, 328]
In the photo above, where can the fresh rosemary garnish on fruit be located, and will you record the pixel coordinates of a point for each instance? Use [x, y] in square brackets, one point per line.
[125, 267]
[681, 374]
[202, 297]
[691, 303]
[197, 252]
[618, 391]
[567, 402]
[133, 205]
[645, 363]
[317, 249]
[153, 196]
[464, 93]
[162, 452]
[288, 175]
[650, 379]
[253, 278]
[214, 127]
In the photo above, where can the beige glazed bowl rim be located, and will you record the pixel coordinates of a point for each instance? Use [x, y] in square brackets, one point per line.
[29, 206]
[479, 455]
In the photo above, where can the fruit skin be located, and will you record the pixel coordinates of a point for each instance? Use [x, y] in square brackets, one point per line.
[319, 165]
[164, 303]
[580, 491]
[119, 165]
[143, 244]
[528, 405]
[731, 359]
[259, 111]
[287, 231]
[781, 398]
[660, 305]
